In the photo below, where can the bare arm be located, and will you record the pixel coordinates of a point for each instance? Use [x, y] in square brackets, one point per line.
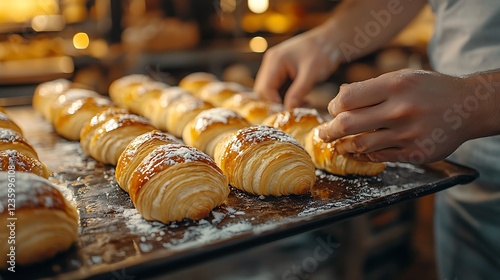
[356, 28]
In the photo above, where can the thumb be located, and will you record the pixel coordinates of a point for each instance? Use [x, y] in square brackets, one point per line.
[300, 87]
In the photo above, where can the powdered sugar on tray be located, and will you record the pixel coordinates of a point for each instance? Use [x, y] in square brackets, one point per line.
[408, 166]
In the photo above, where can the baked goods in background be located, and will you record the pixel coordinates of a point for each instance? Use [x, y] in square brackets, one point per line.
[46, 223]
[194, 82]
[248, 104]
[217, 92]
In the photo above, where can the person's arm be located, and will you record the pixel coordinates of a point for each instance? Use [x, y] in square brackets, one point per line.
[356, 28]
[413, 116]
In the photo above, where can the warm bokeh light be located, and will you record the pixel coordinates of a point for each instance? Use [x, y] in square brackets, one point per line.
[278, 23]
[258, 44]
[47, 23]
[23, 10]
[81, 41]
[258, 6]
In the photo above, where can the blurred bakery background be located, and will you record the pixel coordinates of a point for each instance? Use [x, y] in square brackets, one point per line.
[94, 42]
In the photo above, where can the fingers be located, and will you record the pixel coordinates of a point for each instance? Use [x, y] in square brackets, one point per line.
[355, 122]
[299, 89]
[358, 95]
[272, 73]
[368, 142]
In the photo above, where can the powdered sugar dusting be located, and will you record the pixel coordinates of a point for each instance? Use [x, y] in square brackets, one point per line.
[214, 115]
[215, 88]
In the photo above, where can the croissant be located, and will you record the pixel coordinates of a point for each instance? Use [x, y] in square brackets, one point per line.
[123, 91]
[193, 82]
[66, 98]
[11, 140]
[251, 107]
[172, 181]
[6, 122]
[183, 111]
[303, 125]
[217, 92]
[327, 158]
[46, 223]
[107, 134]
[265, 161]
[15, 151]
[210, 126]
[74, 115]
[46, 94]
[157, 107]
[137, 150]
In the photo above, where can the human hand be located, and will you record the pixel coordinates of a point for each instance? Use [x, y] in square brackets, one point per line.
[406, 116]
[306, 59]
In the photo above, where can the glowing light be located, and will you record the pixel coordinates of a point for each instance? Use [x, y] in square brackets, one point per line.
[278, 23]
[81, 41]
[258, 6]
[258, 44]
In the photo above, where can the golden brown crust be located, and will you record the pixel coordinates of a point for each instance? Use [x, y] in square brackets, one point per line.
[210, 126]
[193, 82]
[74, 115]
[326, 157]
[265, 161]
[251, 107]
[6, 122]
[123, 90]
[15, 160]
[174, 182]
[135, 152]
[47, 93]
[107, 134]
[296, 122]
[217, 92]
[68, 97]
[11, 140]
[182, 111]
[46, 223]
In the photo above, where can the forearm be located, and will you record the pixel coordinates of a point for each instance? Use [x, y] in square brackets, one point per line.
[480, 105]
[358, 27]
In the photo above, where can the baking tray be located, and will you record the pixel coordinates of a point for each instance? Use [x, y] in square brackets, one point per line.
[115, 241]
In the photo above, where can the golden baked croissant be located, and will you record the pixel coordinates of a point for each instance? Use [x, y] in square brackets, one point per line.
[137, 150]
[193, 82]
[6, 122]
[210, 126]
[123, 91]
[66, 98]
[157, 107]
[182, 111]
[251, 107]
[265, 161]
[46, 223]
[303, 125]
[326, 157]
[47, 94]
[74, 115]
[172, 181]
[217, 92]
[15, 160]
[16, 152]
[107, 134]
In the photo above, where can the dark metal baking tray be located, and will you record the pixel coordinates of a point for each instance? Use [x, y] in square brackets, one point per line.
[114, 240]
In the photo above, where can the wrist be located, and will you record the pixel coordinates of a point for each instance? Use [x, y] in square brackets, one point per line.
[482, 99]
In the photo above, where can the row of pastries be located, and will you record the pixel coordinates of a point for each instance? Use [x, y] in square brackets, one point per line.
[176, 149]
